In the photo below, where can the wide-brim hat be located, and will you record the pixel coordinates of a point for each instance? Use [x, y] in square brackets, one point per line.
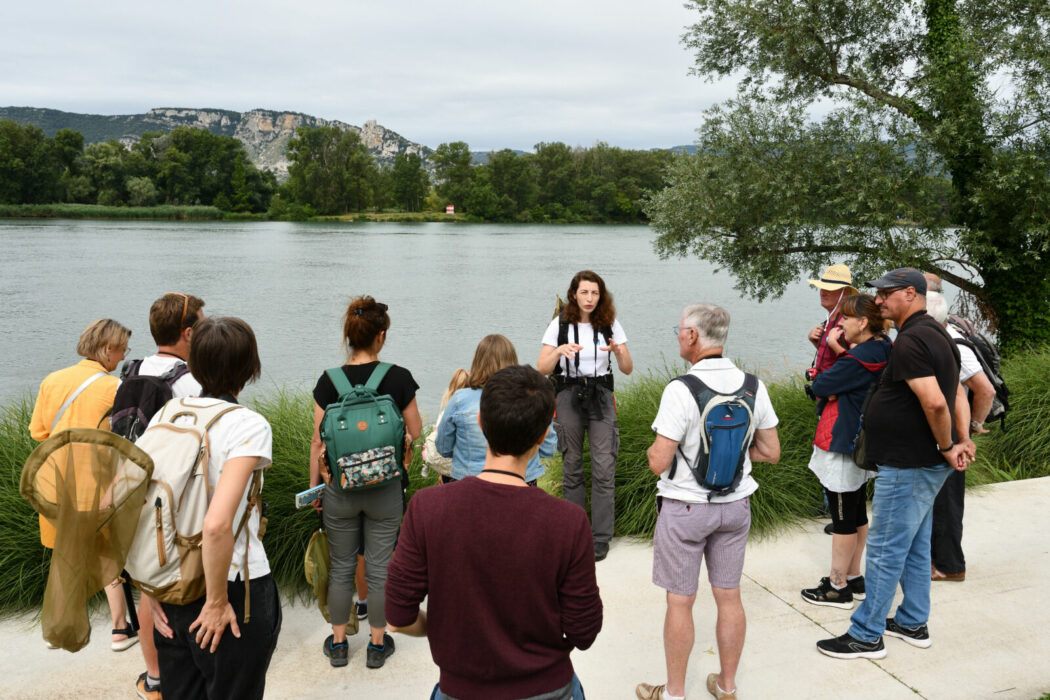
[836, 277]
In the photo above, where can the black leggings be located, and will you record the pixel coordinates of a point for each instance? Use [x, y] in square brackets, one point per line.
[848, 510]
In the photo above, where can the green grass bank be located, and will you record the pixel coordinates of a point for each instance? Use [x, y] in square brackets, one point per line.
[97, 211]
[788, 492]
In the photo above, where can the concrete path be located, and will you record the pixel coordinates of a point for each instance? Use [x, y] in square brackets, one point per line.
[991, 633]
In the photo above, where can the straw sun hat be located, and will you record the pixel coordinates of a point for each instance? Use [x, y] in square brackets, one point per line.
[835, 277]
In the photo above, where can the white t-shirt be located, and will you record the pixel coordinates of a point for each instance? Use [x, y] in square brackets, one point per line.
[969, 364]
[593, 362]
[157, 365]
[679, 419]
[239, 433]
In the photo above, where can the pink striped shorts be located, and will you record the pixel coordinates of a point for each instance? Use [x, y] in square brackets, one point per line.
[688, 533]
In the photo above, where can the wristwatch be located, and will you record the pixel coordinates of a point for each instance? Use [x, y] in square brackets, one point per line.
[975, 424]
[945, 449]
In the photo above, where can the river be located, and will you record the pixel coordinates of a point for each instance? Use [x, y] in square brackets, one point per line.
[447, 285]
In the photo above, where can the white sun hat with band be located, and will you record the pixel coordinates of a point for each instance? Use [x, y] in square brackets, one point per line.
[835, 277]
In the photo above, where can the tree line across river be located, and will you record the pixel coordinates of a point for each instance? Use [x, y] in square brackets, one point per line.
[330, 173]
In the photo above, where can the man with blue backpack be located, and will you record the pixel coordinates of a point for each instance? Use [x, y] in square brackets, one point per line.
[712, 424]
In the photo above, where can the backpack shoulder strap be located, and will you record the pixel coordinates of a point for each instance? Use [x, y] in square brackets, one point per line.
[177, 372]
[130, 369]
[72, 397]
[178, 407]
[377, 376]
[749, 391]
[339, 381]
[220, 414]
[563, 337]
[696, 387]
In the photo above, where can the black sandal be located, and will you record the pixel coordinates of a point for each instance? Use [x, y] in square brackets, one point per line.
[131, 639]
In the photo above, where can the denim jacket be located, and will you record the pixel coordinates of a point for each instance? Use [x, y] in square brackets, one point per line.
[459, 436]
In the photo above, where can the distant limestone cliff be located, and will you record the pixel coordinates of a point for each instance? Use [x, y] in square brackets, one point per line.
[264, 132]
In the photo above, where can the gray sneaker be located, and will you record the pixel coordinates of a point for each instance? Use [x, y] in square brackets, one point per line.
[377, 656]
[918, 637]
[337, 653]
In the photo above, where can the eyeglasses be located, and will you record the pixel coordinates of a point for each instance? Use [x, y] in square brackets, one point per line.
[679, 329]
[886, 293]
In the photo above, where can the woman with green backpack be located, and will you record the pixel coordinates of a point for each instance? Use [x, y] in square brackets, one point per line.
[347, 497]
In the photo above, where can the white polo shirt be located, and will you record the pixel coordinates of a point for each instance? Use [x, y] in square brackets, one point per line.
[679, 419]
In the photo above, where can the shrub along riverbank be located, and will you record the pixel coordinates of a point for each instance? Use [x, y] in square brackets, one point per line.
[164, 212]
[788, 491]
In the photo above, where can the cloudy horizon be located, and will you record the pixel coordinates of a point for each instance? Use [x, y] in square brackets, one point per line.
[496, 75]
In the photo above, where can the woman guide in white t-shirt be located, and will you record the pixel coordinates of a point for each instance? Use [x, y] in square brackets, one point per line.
[578, 348]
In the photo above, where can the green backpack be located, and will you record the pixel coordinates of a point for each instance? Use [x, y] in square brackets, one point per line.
[363, 432]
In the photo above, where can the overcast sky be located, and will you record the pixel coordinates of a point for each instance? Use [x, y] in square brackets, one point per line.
[494, 74]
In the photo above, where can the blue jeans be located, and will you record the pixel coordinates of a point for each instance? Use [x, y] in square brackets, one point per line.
[898, 549]
[575, 687]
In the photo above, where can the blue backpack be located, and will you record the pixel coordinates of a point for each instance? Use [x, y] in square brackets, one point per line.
[726, 428]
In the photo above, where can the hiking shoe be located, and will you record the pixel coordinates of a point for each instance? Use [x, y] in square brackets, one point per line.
[644, 691]
[377, 656]
[601, 550]
[826, 594]
[143, 690]
[131, 638]
[337, 653]
[846, 647]
[361, 610]
[918, 637]
[712, 687]
[856, 585]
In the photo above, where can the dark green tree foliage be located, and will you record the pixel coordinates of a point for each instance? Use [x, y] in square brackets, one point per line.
[453, 173]
[556, 183]
[409, 182]
[514, 180]
[331, 170]
[30, 165]
[936, 152]
[187, 166]
[555, 173]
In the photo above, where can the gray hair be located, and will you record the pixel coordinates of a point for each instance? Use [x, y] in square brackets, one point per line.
[937, 307]
[710, 321]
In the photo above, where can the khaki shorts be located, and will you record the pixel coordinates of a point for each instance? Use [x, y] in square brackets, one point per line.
[688, 533]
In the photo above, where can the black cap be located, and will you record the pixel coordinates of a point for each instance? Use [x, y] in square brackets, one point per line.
[901, 277]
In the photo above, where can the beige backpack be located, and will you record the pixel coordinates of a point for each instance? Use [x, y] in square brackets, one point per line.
[165, 558]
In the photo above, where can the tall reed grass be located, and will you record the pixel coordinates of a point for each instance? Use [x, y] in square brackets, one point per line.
[788, 492]
[23, 560]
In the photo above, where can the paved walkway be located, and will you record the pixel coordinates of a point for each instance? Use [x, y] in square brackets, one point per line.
[991, 633]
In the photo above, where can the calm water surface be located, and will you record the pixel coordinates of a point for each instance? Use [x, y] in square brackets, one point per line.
[447, 285]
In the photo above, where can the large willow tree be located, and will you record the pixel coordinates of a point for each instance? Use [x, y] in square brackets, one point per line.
[878, 133]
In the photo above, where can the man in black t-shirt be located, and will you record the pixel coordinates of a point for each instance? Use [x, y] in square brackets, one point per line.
[918, 431]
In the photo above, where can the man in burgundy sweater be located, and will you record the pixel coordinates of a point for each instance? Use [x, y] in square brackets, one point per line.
[509, 570]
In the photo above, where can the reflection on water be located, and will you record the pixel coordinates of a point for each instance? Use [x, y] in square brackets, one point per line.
[447, 285]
